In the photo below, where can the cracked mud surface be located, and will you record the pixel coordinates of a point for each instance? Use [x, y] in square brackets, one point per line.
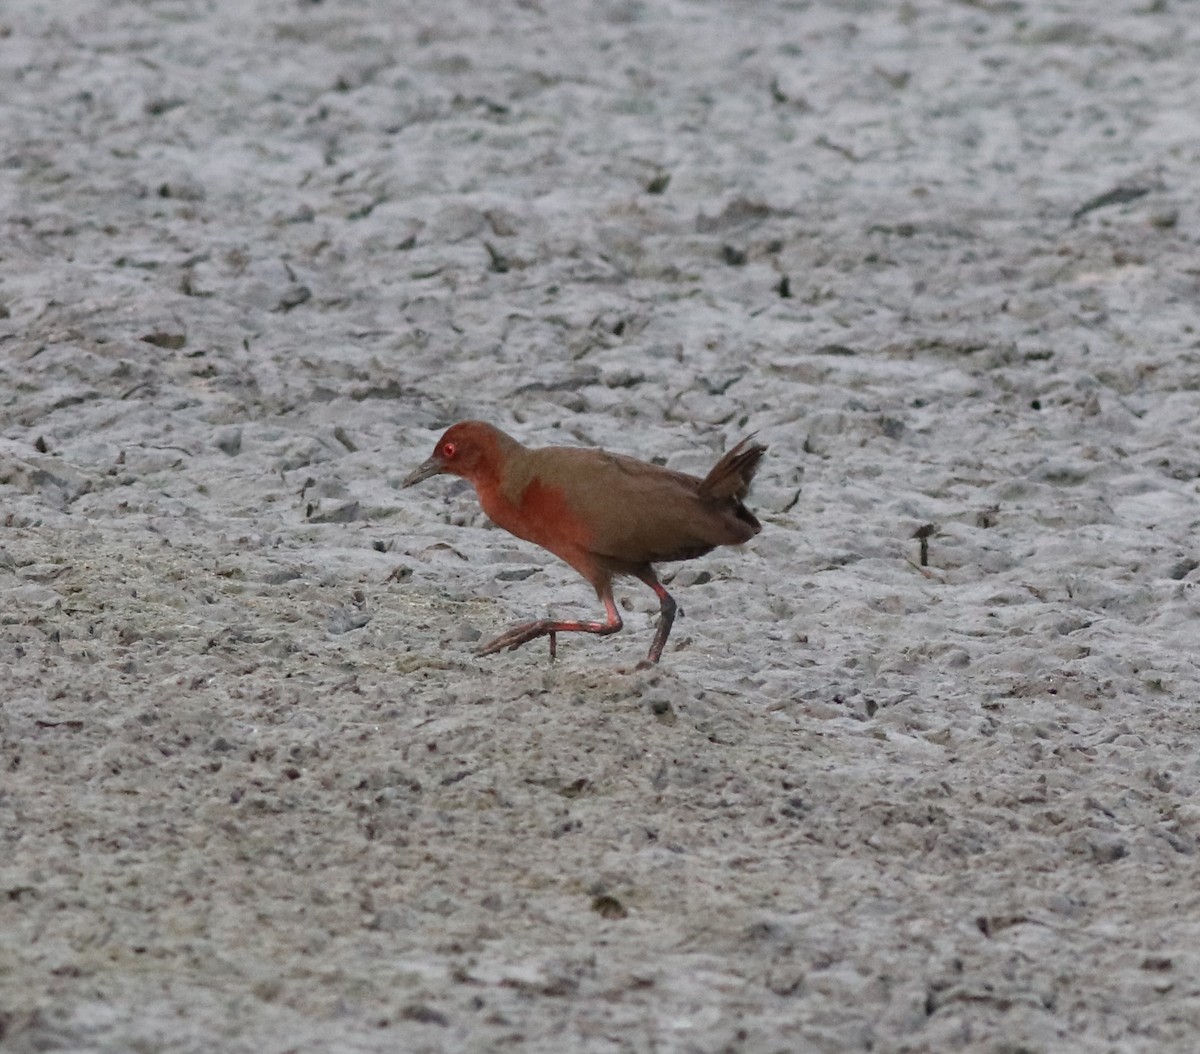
[256, 792]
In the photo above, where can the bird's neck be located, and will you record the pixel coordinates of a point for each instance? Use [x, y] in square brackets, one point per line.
[500, 481]
[499, 474]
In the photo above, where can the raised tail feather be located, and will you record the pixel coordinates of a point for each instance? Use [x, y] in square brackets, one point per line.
[731, 477]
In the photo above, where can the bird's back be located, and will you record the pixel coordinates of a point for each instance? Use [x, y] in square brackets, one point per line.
[630, 513]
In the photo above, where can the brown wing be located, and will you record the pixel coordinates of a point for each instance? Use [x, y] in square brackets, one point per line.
[637, 513]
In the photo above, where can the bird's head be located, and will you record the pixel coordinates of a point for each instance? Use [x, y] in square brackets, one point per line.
[468, 449]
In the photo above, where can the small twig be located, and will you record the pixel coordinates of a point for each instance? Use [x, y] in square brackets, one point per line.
[922, 534]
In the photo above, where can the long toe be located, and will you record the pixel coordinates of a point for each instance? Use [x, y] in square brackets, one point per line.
[515, 637]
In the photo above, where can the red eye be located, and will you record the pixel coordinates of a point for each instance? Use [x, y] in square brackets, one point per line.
[449, 449]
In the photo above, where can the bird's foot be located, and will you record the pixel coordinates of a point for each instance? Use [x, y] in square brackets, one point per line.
[518, 635]
[527, 631]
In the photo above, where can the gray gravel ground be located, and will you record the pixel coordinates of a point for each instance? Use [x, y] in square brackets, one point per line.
[256, 792]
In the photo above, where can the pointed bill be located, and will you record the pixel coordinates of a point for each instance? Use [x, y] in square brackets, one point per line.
[430, 468]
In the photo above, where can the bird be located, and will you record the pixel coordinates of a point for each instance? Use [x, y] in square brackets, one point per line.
[604, 514]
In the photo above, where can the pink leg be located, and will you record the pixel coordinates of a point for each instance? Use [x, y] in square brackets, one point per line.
[523, 634]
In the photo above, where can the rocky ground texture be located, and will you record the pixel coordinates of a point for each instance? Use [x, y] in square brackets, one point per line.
[256, 792]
